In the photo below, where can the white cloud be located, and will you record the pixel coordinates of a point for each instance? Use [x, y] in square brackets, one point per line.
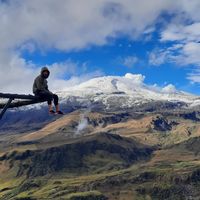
[157, 57]
[74, 24]
[16, 74]
[67, 25]
[19, 75]
[194, 77]
[181, 34]
[178, 32]
[136, 78]
[129, 61]
[191, 53]
[184, 36]
[139, 79]
[61, 84]
[180, 54]
[169, 89]
[28, 25]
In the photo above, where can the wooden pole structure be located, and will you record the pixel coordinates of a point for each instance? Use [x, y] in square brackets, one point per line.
[5, 107]
[27, 100]
[17, 96]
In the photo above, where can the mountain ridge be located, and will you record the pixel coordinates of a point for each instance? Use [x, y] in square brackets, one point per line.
[109, 94]
[129, 84]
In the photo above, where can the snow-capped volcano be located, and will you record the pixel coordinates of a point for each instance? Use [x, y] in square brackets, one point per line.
[131, 87]
[120, 92]
[104, 94]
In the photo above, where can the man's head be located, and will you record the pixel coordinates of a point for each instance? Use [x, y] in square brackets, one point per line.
[45, 72]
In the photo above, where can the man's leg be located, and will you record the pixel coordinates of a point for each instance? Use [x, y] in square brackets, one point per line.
[55, 98]
[47, 96]
[50, 107]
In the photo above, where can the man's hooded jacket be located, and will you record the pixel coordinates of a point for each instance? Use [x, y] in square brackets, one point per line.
[40, 83]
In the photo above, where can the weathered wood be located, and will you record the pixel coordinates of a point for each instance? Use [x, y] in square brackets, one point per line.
[5, 107]
[22, 103]
[17, 96]
[27, 100]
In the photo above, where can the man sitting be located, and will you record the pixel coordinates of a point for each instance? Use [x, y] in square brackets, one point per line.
[40, 89]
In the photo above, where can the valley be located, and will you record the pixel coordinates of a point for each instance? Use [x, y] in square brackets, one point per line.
[115, 155]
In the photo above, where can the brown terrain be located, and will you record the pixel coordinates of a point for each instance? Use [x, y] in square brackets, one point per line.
[93, 155]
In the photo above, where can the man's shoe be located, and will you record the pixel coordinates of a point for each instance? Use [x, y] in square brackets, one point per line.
[59, 112]
[51, 112]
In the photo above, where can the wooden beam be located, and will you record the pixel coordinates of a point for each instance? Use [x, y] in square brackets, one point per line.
[5, 107]
[17, 96]
[27, 100]
[22, 103]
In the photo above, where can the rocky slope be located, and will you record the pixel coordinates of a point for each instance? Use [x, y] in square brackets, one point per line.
[104, 155]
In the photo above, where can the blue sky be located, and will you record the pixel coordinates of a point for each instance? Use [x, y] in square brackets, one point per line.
[110, 60]
[81, 40]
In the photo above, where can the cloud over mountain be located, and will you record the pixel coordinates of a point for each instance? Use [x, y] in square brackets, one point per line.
[29, 26]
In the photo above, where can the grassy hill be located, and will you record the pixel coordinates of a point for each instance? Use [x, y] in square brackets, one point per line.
[120, 155]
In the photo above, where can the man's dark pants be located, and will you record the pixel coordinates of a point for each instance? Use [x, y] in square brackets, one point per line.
[47, 96]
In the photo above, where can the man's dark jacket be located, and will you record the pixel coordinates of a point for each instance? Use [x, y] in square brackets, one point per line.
[40, 83]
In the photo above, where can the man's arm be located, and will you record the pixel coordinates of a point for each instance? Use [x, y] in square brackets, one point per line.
[46, 87]
[40, 84]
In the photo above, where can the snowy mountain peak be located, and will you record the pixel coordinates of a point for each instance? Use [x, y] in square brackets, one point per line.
[131, 85]
[112, 93]
[109, 84]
